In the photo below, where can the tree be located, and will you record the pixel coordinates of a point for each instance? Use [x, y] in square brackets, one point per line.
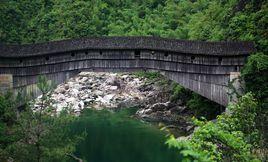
[231, 138]
[40, 134]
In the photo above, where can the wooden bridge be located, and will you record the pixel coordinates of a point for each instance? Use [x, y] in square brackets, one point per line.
[204, 67]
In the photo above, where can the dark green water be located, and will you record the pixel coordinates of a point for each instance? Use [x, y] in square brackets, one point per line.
[116, 137]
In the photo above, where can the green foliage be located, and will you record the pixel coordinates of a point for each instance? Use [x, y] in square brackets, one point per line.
[189, 153]
[243, 118]
[39, 21]
[210, 20]
[44, 85]
[149, 75]
[7, 120]
[200, 106]
[7, 112]
[153, 77]
[203, 107]
[39, 135]
[230, 138]
[180, 93]
[255, 74]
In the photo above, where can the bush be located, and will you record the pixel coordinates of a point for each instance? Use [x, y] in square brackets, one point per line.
[40, 135]
[255, 74]
[230, 138]
[180, 93]
[200, 106]
[7, 121]
[203, 107]
[149, 75]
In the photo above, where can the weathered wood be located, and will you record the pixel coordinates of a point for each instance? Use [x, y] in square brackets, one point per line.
[203, 67]
[129, 43]
[6, 82]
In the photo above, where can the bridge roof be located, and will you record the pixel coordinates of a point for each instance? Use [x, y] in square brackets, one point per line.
[128, 43]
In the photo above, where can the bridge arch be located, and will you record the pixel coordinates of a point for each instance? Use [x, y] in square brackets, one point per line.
[204, 67]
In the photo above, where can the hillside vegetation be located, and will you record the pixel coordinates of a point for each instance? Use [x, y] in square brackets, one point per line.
[45, 20]
[231, 138]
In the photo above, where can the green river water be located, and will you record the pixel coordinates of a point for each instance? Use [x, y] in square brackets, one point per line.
[118, 137]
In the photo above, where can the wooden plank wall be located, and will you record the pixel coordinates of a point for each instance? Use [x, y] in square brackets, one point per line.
[204, 74]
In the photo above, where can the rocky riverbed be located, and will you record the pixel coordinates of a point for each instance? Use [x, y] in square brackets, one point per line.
[120, 90]
[103, 90]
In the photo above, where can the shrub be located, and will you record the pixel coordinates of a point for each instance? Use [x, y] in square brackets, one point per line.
[230, 138]
[203, 107]
[149, 75]
[255, 74]
[180, 93]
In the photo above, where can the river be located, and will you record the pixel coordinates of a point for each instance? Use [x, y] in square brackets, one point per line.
[118, 137]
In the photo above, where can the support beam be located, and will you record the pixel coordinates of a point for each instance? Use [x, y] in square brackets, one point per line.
[6, 82]
[235, 88]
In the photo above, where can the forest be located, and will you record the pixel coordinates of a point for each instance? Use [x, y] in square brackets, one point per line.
[239, 136]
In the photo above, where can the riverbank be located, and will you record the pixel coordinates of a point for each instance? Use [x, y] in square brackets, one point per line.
[114, 91]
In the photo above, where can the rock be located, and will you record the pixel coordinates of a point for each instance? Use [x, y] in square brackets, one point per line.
[106, 90]
[88, 101]
[108, 97]
[70, 100]
[182, 109]
[127, 103]
[160, 106]
[84, 96]
[99, 99]
[71, 83]
[136, 80]
[84, 79]
[165, 112]
[111, 80]
[60, 90]
[76, 86]
[81, 105]
[84, 88]
[144, 111]
[74, 92]
[189, 128]
[61, 97]
[98, 93]
[145, 88]
[113, 88]
[61, 105]
[66, 86]
[184, 138]
[99, 90]
[124, 77]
